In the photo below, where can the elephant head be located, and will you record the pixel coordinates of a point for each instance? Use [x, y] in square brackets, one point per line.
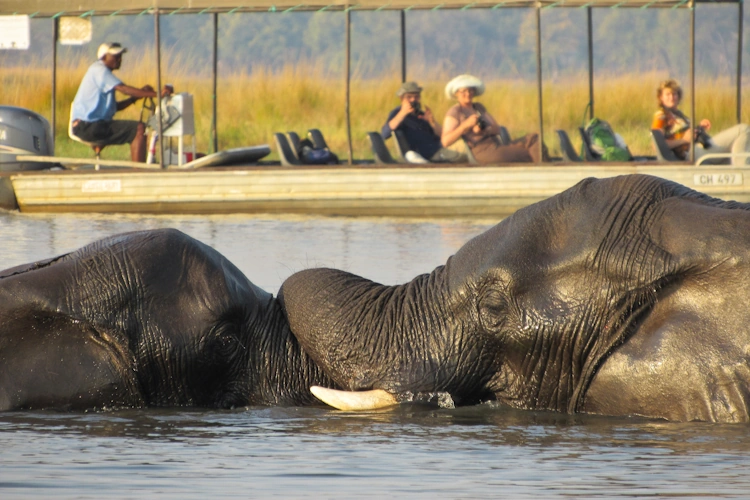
[150, 318]
[531, 311]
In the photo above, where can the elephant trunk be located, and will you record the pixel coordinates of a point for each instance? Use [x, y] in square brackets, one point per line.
[370, 336]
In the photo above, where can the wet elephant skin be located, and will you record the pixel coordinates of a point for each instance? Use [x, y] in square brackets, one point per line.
[620, 296]
[150, 318]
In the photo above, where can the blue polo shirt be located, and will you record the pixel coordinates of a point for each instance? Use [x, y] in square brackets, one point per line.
[95, 99]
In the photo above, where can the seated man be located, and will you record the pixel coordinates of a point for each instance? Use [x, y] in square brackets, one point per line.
[94, 105]
[420, 129]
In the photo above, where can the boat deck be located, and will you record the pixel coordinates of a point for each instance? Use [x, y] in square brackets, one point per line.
[373, 190]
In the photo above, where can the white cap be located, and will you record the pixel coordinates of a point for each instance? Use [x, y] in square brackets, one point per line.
[113, 48]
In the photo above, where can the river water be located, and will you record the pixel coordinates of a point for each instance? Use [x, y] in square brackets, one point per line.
[413, 451]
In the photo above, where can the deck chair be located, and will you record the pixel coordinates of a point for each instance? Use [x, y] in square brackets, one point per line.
[566, 147]
[460, 146]
[96, 146]
[504, 136]
[379, 149]
[588, 153]
[316, 137]
[294, 143]
[286, 156]
[467, 151]
[663, 152]
[402, 145]
[403, 148]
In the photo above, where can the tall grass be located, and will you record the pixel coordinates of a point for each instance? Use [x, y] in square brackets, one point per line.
[252, 106]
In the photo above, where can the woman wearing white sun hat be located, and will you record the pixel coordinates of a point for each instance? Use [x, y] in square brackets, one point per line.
[471, 121]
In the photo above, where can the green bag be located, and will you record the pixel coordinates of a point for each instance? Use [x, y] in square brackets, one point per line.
[604, 143]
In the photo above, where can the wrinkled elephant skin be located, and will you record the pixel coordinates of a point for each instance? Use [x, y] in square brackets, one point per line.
[151, 318]
[621, 296]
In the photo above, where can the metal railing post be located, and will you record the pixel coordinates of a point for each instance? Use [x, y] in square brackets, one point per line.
[539, 77]
[215, 67]
[157, 36]
[348, 83]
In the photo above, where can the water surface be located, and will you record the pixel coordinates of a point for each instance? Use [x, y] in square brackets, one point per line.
[414, 451]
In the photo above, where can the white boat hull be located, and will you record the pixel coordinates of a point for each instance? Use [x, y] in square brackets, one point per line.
[434, 191]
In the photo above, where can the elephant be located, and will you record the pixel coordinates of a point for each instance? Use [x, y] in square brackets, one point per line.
[148, 318]
[623, 296]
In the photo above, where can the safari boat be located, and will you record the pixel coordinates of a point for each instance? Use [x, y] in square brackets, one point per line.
[353, 188]
[414, 191]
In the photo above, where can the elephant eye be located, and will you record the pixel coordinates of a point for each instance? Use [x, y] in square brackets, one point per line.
[492, 309]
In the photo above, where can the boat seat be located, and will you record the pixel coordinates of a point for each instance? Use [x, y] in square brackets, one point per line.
[467, 151]
[286, 156]
[294, 142]
[379, 149]
[566, 147]
[504, 136]
[96, 146]
[461, 147]
[402, 145]
[663, 152]
[587, 153]
[316, 137]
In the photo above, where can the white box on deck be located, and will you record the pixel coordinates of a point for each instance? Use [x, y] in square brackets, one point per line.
[185, 125]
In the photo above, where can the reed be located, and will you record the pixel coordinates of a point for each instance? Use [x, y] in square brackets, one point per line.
[253, 105]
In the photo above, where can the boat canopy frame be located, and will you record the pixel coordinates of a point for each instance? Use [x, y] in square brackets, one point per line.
[85, 8]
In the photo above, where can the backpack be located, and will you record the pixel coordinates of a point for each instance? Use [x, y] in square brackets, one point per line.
[604, 142]
[310, 155]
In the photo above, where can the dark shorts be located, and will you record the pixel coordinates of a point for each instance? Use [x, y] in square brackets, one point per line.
[107, 131]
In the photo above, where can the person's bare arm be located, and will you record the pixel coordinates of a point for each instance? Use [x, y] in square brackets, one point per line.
[137, 93]
[452, 130]
[145, 91]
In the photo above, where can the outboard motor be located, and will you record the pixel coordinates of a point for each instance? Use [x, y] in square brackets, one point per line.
[23, 132]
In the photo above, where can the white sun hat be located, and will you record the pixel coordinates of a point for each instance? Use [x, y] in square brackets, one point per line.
[113, 48]
[463, 82]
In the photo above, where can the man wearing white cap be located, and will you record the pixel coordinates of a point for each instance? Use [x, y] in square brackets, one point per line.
[94, 105]
[421, 130]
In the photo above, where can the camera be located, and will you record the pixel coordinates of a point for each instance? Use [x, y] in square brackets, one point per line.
[702, 137]
[481, 121]
[417, 107]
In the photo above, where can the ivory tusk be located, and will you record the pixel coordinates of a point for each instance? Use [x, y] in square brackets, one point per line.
[354, 400]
